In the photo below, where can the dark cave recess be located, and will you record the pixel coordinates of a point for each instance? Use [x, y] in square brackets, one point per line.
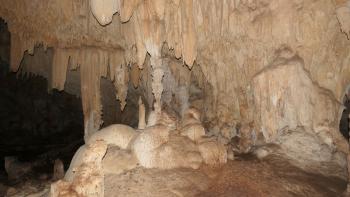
[37, 124]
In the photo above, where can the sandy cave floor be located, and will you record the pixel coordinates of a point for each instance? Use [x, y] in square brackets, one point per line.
[242, 177]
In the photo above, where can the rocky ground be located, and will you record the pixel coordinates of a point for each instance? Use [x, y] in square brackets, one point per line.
[272, 177]
[245, 176]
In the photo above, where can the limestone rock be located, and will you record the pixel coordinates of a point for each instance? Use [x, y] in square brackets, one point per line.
[158, 147]
[88, 179]
[228, 132]
[286, 97]
[191, 116]
[76, 161]
[117, 161]
[343, 15]
[246, 140]
[306, 150]
[212, 151]
[161, 118]
[193, 131]
[191, 125]
[147, 141]
[117, 135]
[266, 150]
[176, 153]
[58, 170]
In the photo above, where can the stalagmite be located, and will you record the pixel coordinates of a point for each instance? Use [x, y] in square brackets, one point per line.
[142, 115]
[157, 86]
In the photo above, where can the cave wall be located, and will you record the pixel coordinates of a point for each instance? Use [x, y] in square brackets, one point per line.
[237, 45]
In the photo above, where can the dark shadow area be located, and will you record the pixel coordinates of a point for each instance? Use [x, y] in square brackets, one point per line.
[37, 127]
[344, 120]
[5, 40]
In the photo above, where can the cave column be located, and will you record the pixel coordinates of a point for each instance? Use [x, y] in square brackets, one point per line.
[157, 86]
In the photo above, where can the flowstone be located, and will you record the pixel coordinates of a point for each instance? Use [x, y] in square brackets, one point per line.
[160, 145]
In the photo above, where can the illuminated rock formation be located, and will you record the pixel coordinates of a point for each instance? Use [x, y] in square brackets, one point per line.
[259, 67]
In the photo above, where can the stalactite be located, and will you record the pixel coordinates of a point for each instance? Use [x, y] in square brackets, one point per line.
[17, 51]
[103, 58]
[103, 10]
[121, 84]
[90, 91]
[94, 63]
[135, 75]
[74, 59]
[20, 43]
[189, 48]
[173, 28]
[150, 31]
[119, 75]
[141, 49]
[127, 8]
[59, 68]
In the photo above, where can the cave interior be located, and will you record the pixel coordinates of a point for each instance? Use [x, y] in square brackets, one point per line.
[174, 98]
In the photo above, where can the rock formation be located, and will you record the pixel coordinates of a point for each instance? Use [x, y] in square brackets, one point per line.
[88, 178]
[262, 72]
[158, 146]
[58, 170]
[117, 135]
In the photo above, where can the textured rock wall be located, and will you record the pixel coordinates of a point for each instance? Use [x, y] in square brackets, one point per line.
[234, 42]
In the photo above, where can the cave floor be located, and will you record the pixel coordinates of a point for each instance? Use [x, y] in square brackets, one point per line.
[246, 176]
[273, 177]
[242, 177]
